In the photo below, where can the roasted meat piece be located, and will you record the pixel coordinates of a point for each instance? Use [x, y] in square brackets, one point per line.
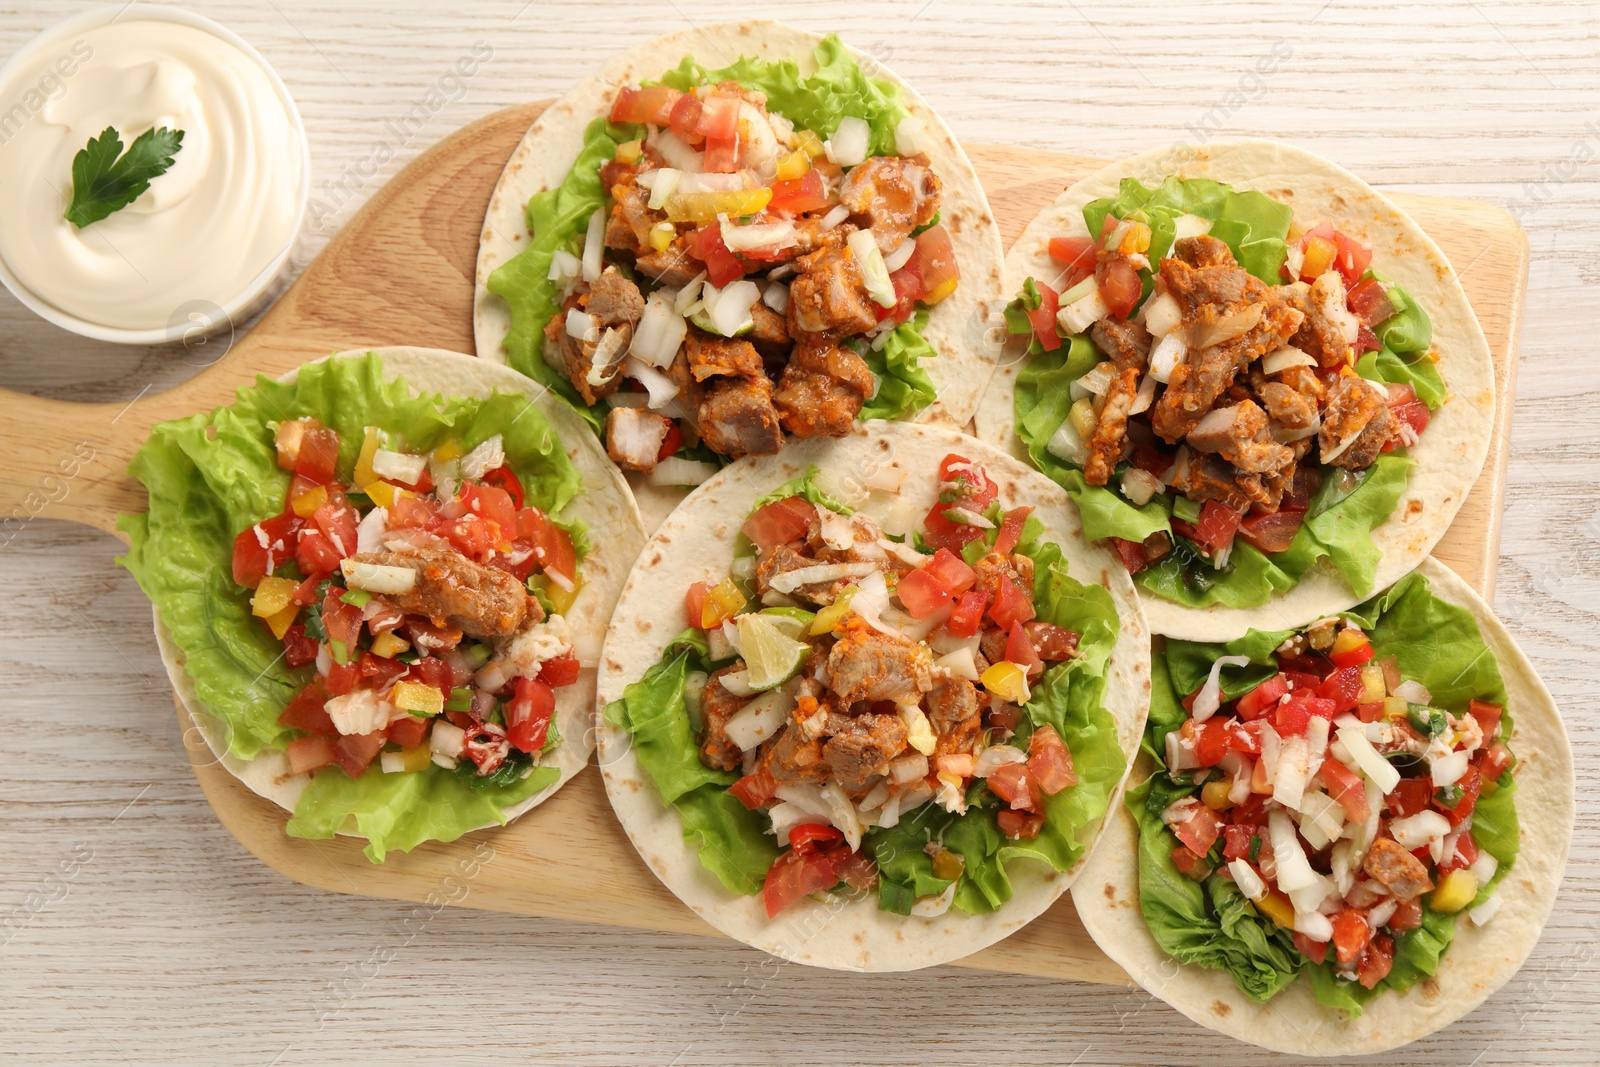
[1329, 328]
[628, 229]
[1111, 428]
[634, 437]
[822, 391]
[991, 568]
[860, 746]
[1204, 476]
[1239, 434]
[670, 266]
[1400, 872]
[781, 559]
[453, 591]
[592, 364]
[891, 195]
[792, 757]
[828, 296]
[868, 665]
[711, 356]
[955, 715]
[737, 418]
[615, 300]
[717, 706]
[1125, 341]
[1356, 423]
[1287, 406]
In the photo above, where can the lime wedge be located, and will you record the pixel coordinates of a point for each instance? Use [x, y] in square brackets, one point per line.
[771, 654]
[791, 622]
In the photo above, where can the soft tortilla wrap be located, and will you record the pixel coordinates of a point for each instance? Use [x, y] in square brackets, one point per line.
[546, 154]
[1452, 450]
[1479, 960]
[606, 506]
[696, 543]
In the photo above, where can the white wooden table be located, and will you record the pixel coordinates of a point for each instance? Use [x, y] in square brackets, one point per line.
[133, 929]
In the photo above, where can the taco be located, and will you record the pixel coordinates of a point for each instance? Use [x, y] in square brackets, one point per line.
[1256, 377]
[1326, 834]
[709, 260]
[864, 708]
[379, 586]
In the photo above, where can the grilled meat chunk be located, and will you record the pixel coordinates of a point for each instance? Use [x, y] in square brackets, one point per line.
[717, 706]
[628, 228]
[634, 437]
[828, 296]
[1239, 434]
[1111, 428]
[1287, 406]
[1204, 476]
[781, 559]
[891, 195]
[593, 364]
[1400, 872]
[670, 266]
[791, 757]
[860, 746]
[822, 391]
[1329, 329]
[711, 356]
[771, 333]
[615, 300]
[1356, 423]
[453, 591]
[955, 714]
[1125, 341]
[737, 418]
[868, 665]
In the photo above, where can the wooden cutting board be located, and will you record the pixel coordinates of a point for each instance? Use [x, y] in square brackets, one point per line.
[400, 273]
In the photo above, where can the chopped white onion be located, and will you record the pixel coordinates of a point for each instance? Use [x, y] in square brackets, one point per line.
[760, 719]
[776, 297]
[1316, 926]
[564, 267]
[850, 142]
[1485, 911]
[1164, 359]
[960, 663]
[874, 275]
[1082, 313]
[660, 387]
[933, 907]
[789, 581]
[1189, 226]
[1246, 878]
[1162, 314]
[665, 182]
[911, 137]
[1294, 770]
[1294, 870]
[374, 578]
[677, 471]
[1484, 867]
[594, 246]
[1423, 828]
[689, 295]
[1413, 692]
[900, 256]
[909, 769]
[678, 153]
[1145, 396]
[582, 326]
[836, 214]
[484, 457]
[763, 236]
[660, 331]
[446, 738]
[1447, 770]
[1209, 698]
[398, 466]
[1139, 485]
[1097, 379]
[370, 530]
[994, 757]
[730, 313]
[1382, 773]
[1284, 358]
[1067, 444]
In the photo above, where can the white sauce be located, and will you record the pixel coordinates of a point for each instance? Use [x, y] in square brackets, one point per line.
[204, 230]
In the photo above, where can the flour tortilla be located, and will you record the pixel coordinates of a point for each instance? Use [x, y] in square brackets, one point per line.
[616, 535]
[1479, 960]
[546, 154]
[1451, 453]
[696, 544]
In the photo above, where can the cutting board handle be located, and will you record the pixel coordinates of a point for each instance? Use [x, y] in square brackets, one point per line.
[65, 460]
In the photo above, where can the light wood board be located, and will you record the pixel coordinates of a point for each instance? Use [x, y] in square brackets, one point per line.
[401, 273]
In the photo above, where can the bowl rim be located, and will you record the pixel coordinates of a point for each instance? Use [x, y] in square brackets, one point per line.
[94, 18]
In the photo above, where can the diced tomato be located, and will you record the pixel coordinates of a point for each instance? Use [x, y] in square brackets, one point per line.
[413, 513]
[1244, 737]
[809, 835]
[319, 453]
[952, 571]
[408, 732]
[1496, 759]
[307, 754]
[337, 521]
[721, 155]
[1263, 698]
[306, 712]
[1253, 812]
[382, 617]
[1199, 828]
[1488, 716]
[795, 875]
[305, 594]
[1471, 785]
[554, 548]
[252, 560]
[341, 679]
[972, 485]
[1376, 961]
[1052, 642]
[377, 672]
[671, 442]
[1407, 916]
[1119, 285]
[1291, 719]
[935, 263]
[1344, 687]
[315, 554]
[341, 620]
[471, 534]
[431, 670]
[1315, 951]
[1274, 531]
[506, 480]
[719, 116]
[754, 790]
[781, 522]
[1368, 302]
[1345, 787]
[355, 752]
[528, 714]
[493, 505]
[1414, 414]
[1011, 604]
[922, 594]
[1236, 842]
[1043, 318]
[1020, 825]
[1050, 761]
[967, 618]
[1300, 681]
[1352, 259]
[1218, 523]
[694, 601]
[1465, 855]
[722, 266]
[1212, 740]
[650, 103]
[1131, 553]
[1013, 784]
[561, 671]
[1076, 255]
[685, 118]
[1366, 341]
[1409, 796]
[907, 289]
[799, 195]
[298, 649]
[1020, 650]
[941, 532]
[1189, 865]
[1151, 459]
[1011, 529]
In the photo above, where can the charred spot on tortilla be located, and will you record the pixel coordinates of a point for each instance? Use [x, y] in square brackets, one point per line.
[1221, 1008]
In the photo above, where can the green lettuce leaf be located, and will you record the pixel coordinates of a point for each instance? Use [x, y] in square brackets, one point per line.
[1438, 644]
[1254, 226]
[209, 477]
[904, 386]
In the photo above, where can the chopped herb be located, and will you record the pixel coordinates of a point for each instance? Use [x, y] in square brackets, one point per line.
[1255, 848]
[1430, 722]
[460, 700]
[515, 766]
[930, 224]
[106, 179]
[1450, 795]
[359, 598]
[340, 652]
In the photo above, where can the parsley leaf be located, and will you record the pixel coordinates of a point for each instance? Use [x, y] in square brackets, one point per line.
[105, 179]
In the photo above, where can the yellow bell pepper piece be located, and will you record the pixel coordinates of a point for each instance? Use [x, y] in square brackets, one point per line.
[1373, 689]
[448, 451]
[722, 602]
[363, 472]
[389, 645]
[414, 696]
[630, 151]
[943, 290]
[306, 504]
[561, 601]
[1215, 795]
[793, 165]
[1135, 239]
[1007, 681]
[1276, 907]
[1455, 891]
[280, 622]
[416, 759]
[830, 618]
[1083, 418]
[808, 142]
[384, 495]
[705, 207]
[662, 235]
[271, 597]
[1319, 257]
[948, 865]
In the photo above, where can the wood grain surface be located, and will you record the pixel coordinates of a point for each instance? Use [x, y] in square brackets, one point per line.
[136, 930]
